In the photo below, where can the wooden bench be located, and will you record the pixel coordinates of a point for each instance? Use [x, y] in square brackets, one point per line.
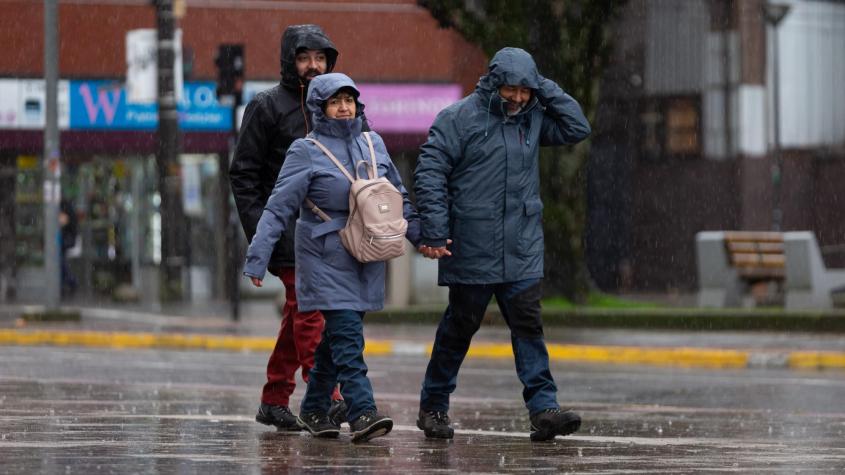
[757, 256]
[740, 268]
[743, 268]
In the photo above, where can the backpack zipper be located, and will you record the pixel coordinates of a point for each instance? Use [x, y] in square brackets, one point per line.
[385, 238]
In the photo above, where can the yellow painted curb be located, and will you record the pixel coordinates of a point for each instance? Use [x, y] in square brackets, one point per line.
[816, 360]
[136, 340]
[687, 357]
[378, 348]
[682, 357]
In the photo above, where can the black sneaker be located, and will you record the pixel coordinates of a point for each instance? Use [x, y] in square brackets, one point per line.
[318, 424]
[545, 425]
[279, 416]
[435, 424]
[370, 425]
[337, 413]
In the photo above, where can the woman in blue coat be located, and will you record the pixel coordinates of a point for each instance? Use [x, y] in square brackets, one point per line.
[328, 278]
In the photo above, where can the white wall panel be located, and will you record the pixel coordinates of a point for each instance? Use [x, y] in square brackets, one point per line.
[812, 74]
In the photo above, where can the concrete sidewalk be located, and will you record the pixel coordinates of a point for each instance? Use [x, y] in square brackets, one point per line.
[210, 327]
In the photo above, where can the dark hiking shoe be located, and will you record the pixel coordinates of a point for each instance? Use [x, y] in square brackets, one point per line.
[337, 413]
[545, 425]
[435, 424]
[370, 425]
[318, 424]
[279, 416]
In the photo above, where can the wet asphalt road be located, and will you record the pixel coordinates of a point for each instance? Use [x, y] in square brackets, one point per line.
[83, 410]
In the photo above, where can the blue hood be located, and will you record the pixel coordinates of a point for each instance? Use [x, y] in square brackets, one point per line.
[513, 67]
[320, 90]
[509, 67]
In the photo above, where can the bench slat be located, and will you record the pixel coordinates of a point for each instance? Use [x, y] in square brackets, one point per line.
[747, 259]
[753, 236]
[761, 273]
[758, 247]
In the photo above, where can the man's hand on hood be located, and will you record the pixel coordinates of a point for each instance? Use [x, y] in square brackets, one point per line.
[545, 90]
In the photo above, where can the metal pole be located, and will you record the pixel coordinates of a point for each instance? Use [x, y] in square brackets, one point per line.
[774, 13]
[777, 167]
[230, 223]
[51, 160]
[167, 159]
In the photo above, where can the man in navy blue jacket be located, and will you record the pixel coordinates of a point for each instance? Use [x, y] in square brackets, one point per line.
[477, 188]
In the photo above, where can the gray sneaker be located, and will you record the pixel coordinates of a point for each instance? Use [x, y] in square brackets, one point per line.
[370, 425]
[545, 425]
[318, 424]
[435, 424]
[279, 416]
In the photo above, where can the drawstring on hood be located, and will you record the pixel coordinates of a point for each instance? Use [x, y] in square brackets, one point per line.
[487, 121]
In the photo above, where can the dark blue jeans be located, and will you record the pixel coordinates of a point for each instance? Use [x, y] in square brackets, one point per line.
[340, 358]
[520, 305]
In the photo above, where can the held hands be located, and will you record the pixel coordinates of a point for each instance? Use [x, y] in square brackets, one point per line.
[435, 252]
[256, 281]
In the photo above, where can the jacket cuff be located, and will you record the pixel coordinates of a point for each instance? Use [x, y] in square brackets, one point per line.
[253, 273]
[434, 242]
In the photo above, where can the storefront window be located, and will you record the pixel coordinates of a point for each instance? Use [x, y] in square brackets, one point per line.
[29, 213]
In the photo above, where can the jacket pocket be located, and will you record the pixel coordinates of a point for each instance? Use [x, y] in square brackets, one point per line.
[474, 232]
[531, 229]
[334, 254]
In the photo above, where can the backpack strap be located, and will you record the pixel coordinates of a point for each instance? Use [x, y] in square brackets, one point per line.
[374, 171]
[314, 209]
[310, 204]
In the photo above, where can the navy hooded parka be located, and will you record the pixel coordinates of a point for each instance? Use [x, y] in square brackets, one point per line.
[477, 176]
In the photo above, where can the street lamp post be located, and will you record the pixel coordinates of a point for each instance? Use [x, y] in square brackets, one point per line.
[774, 13]
[51, 159]
[173, 247]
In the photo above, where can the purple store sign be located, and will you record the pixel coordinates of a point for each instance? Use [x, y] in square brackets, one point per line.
[406, 108]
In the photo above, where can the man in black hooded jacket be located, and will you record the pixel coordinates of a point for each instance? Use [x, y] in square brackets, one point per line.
[273, 119]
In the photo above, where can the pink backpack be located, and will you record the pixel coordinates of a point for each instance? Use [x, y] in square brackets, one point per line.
[376, 226]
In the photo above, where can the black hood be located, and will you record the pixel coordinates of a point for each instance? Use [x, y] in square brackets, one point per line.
[298, 37]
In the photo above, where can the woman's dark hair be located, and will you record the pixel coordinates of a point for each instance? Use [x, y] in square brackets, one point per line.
[349, 90]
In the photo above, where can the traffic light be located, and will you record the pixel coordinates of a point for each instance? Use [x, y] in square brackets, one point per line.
[230, 71]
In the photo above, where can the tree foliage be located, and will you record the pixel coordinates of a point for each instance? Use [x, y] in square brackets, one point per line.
[568, 40]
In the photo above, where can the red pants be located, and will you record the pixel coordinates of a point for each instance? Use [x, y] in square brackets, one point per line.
[295, 345]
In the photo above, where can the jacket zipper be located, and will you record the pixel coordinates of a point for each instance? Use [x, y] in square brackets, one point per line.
[302, 104]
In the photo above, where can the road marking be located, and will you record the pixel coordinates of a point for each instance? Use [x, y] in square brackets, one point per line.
[686, 357]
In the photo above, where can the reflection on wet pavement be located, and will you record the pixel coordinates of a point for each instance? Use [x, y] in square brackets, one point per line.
[67, 410]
